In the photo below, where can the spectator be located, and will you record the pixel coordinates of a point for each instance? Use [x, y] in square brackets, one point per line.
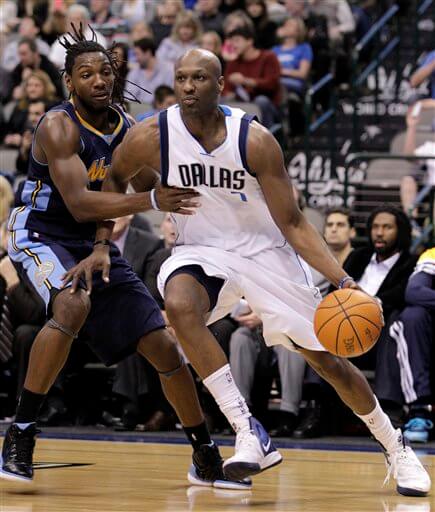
[234, 20]
[229, 6]
[164, 97]
[382, 269]
[30, 59]
[55, 26]
[163, 23]
[136, 380]
[104, 20]
[413, 333]
[212, 42]
[37, 86]
[101, 13]
[139, 30]
[265, 29]
[338, 15]
[6, 199]
[317, 37]
[426, 71]
[151, 72]
[35, 110]
[27, 29]
[185, 36]
[295, 56]
[120, 54]
[209, 15]
[250, 357]
[338, 232]
[134, 11]
[5, 85]
[76, 14]
[254, 76]
[408, 186]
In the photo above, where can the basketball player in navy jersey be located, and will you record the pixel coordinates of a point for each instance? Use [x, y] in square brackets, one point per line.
[248, 238]
[54, 228]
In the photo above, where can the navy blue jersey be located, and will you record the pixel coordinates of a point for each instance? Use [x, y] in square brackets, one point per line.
[42, 209]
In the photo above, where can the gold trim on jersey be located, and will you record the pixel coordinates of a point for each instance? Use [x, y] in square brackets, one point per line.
[97, 132]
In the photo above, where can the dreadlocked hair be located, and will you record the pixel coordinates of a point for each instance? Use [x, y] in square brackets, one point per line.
[80, 45]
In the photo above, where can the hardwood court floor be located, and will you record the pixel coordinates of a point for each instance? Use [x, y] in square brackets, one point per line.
[137, 477]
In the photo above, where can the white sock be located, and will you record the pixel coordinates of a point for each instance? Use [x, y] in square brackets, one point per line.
[383, 431]
[228, 397]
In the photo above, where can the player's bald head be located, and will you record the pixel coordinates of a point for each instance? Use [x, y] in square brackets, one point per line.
[200, 58]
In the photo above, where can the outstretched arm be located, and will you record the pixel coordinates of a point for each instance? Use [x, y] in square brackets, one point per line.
[266, 160]
[58, 138]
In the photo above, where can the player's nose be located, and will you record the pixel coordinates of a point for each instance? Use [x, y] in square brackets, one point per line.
[188, 85]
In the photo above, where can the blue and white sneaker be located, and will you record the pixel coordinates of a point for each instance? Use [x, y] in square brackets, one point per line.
[206, 470]
[255, 453]
[417, 430]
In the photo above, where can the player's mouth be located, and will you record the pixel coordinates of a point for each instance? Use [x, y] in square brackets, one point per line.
[190, 100]
[101, 96]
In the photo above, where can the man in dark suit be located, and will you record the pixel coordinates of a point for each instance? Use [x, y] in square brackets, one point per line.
[135, 379]
[382, 269]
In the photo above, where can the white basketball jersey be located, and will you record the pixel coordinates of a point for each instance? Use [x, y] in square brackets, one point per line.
[233, 214]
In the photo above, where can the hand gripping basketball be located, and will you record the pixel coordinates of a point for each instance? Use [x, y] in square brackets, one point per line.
[348, 322]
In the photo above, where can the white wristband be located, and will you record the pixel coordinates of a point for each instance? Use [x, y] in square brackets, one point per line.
[153, 200]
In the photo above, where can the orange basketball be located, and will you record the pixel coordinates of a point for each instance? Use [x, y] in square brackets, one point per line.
[348, 322]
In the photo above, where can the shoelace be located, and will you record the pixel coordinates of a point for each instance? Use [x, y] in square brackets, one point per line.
[416, 424]
[247, 438]
[405, 456]
[21, 449]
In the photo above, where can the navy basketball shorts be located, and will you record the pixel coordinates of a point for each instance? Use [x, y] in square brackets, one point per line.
[122, 311]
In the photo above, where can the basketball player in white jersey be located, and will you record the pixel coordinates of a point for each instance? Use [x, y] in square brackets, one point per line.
[247, 239]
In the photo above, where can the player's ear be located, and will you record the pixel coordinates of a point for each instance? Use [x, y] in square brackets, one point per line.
[221, 84]
[352, 233]
[68, 83]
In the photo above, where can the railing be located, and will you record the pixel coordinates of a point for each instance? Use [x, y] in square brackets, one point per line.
[311, 127]
[428, 190]
[359, 78]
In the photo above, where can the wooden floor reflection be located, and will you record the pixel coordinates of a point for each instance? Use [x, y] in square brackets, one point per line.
[136, 477]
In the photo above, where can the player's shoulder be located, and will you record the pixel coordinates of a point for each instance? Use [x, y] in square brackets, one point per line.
[259, 137]
[58, 127]
[146, 132]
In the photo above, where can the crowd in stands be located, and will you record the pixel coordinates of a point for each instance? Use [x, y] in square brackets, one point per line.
[270, 51]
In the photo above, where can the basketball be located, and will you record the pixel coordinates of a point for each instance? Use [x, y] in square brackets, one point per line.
[348, 322]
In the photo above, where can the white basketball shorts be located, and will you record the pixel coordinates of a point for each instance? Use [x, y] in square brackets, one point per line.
[276, 283]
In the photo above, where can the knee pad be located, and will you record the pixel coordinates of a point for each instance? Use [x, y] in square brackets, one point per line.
[54, 325]
[170, 373]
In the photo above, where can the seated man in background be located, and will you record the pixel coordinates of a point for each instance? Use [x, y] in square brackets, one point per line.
[338, 232]
[413, 333]
[35, 111]
[250, 357]
[136, 380]
[426, 71]
[150, 72]
[254, 76]
[382, 269]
